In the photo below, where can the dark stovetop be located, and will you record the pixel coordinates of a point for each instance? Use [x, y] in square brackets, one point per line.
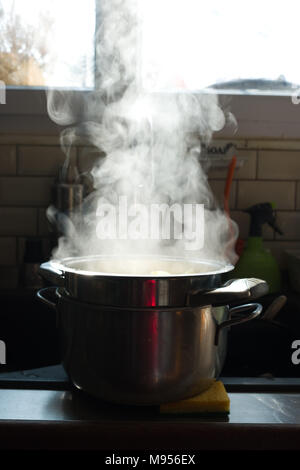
[39, 409]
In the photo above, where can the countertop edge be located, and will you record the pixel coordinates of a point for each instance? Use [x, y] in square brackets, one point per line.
[134, 435]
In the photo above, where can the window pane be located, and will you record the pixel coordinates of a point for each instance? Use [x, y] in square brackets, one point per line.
[195, 44]
[47, 42]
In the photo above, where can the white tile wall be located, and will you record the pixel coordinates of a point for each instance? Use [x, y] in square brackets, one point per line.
[281, 193]
[279, 165]
[18, 221]
[289, 222]
[247, 170]
[28, 165]
[8, 160]
[8, 251]
[21, 191]
[218, 187]
[298, 196]
[39, 160]
[243, 221]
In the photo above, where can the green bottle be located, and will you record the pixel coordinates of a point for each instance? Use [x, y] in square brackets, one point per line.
[255, 260]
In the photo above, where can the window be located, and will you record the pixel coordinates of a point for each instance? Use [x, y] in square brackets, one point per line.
[237, 49]
[47, 43]
[194, 44]
[232, 46]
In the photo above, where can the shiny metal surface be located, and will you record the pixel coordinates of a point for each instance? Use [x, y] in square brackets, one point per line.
[143, 356]
[64, 420]
[50, 405]
[122, 290]
[138, 357]
[82, 282]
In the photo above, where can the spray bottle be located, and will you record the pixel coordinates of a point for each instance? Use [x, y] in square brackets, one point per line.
[255, 260]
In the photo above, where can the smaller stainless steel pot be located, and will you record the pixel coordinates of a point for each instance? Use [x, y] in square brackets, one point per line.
[143, 356]
[89, 280]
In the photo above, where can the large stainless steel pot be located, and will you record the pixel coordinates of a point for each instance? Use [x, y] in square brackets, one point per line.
[143, 356]
[145, 331]
[128, 282]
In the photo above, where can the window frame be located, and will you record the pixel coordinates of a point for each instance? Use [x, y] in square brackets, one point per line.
[258, 116]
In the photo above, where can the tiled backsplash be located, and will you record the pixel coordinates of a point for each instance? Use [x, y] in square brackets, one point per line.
[271, 172]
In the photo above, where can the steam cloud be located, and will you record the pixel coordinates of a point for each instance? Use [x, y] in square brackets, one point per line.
[151, 139]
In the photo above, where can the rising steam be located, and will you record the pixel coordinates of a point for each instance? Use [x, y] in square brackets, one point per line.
[151, 137]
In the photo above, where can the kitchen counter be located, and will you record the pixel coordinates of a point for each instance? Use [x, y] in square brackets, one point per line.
[37, 412]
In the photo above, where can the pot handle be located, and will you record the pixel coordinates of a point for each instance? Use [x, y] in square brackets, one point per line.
[46, 295]
[233, 290]
[256, 310]
[52, 273]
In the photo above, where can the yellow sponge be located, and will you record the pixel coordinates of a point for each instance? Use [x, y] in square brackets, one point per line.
[213, 400]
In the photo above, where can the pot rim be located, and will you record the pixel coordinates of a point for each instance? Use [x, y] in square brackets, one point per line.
[217, 267]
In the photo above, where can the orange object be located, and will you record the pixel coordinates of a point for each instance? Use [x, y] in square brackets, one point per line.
[228, 183]
[239, 246]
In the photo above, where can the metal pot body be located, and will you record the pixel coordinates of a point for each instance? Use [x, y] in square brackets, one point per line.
[138, 356]
[143, 356]
[134, 291]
